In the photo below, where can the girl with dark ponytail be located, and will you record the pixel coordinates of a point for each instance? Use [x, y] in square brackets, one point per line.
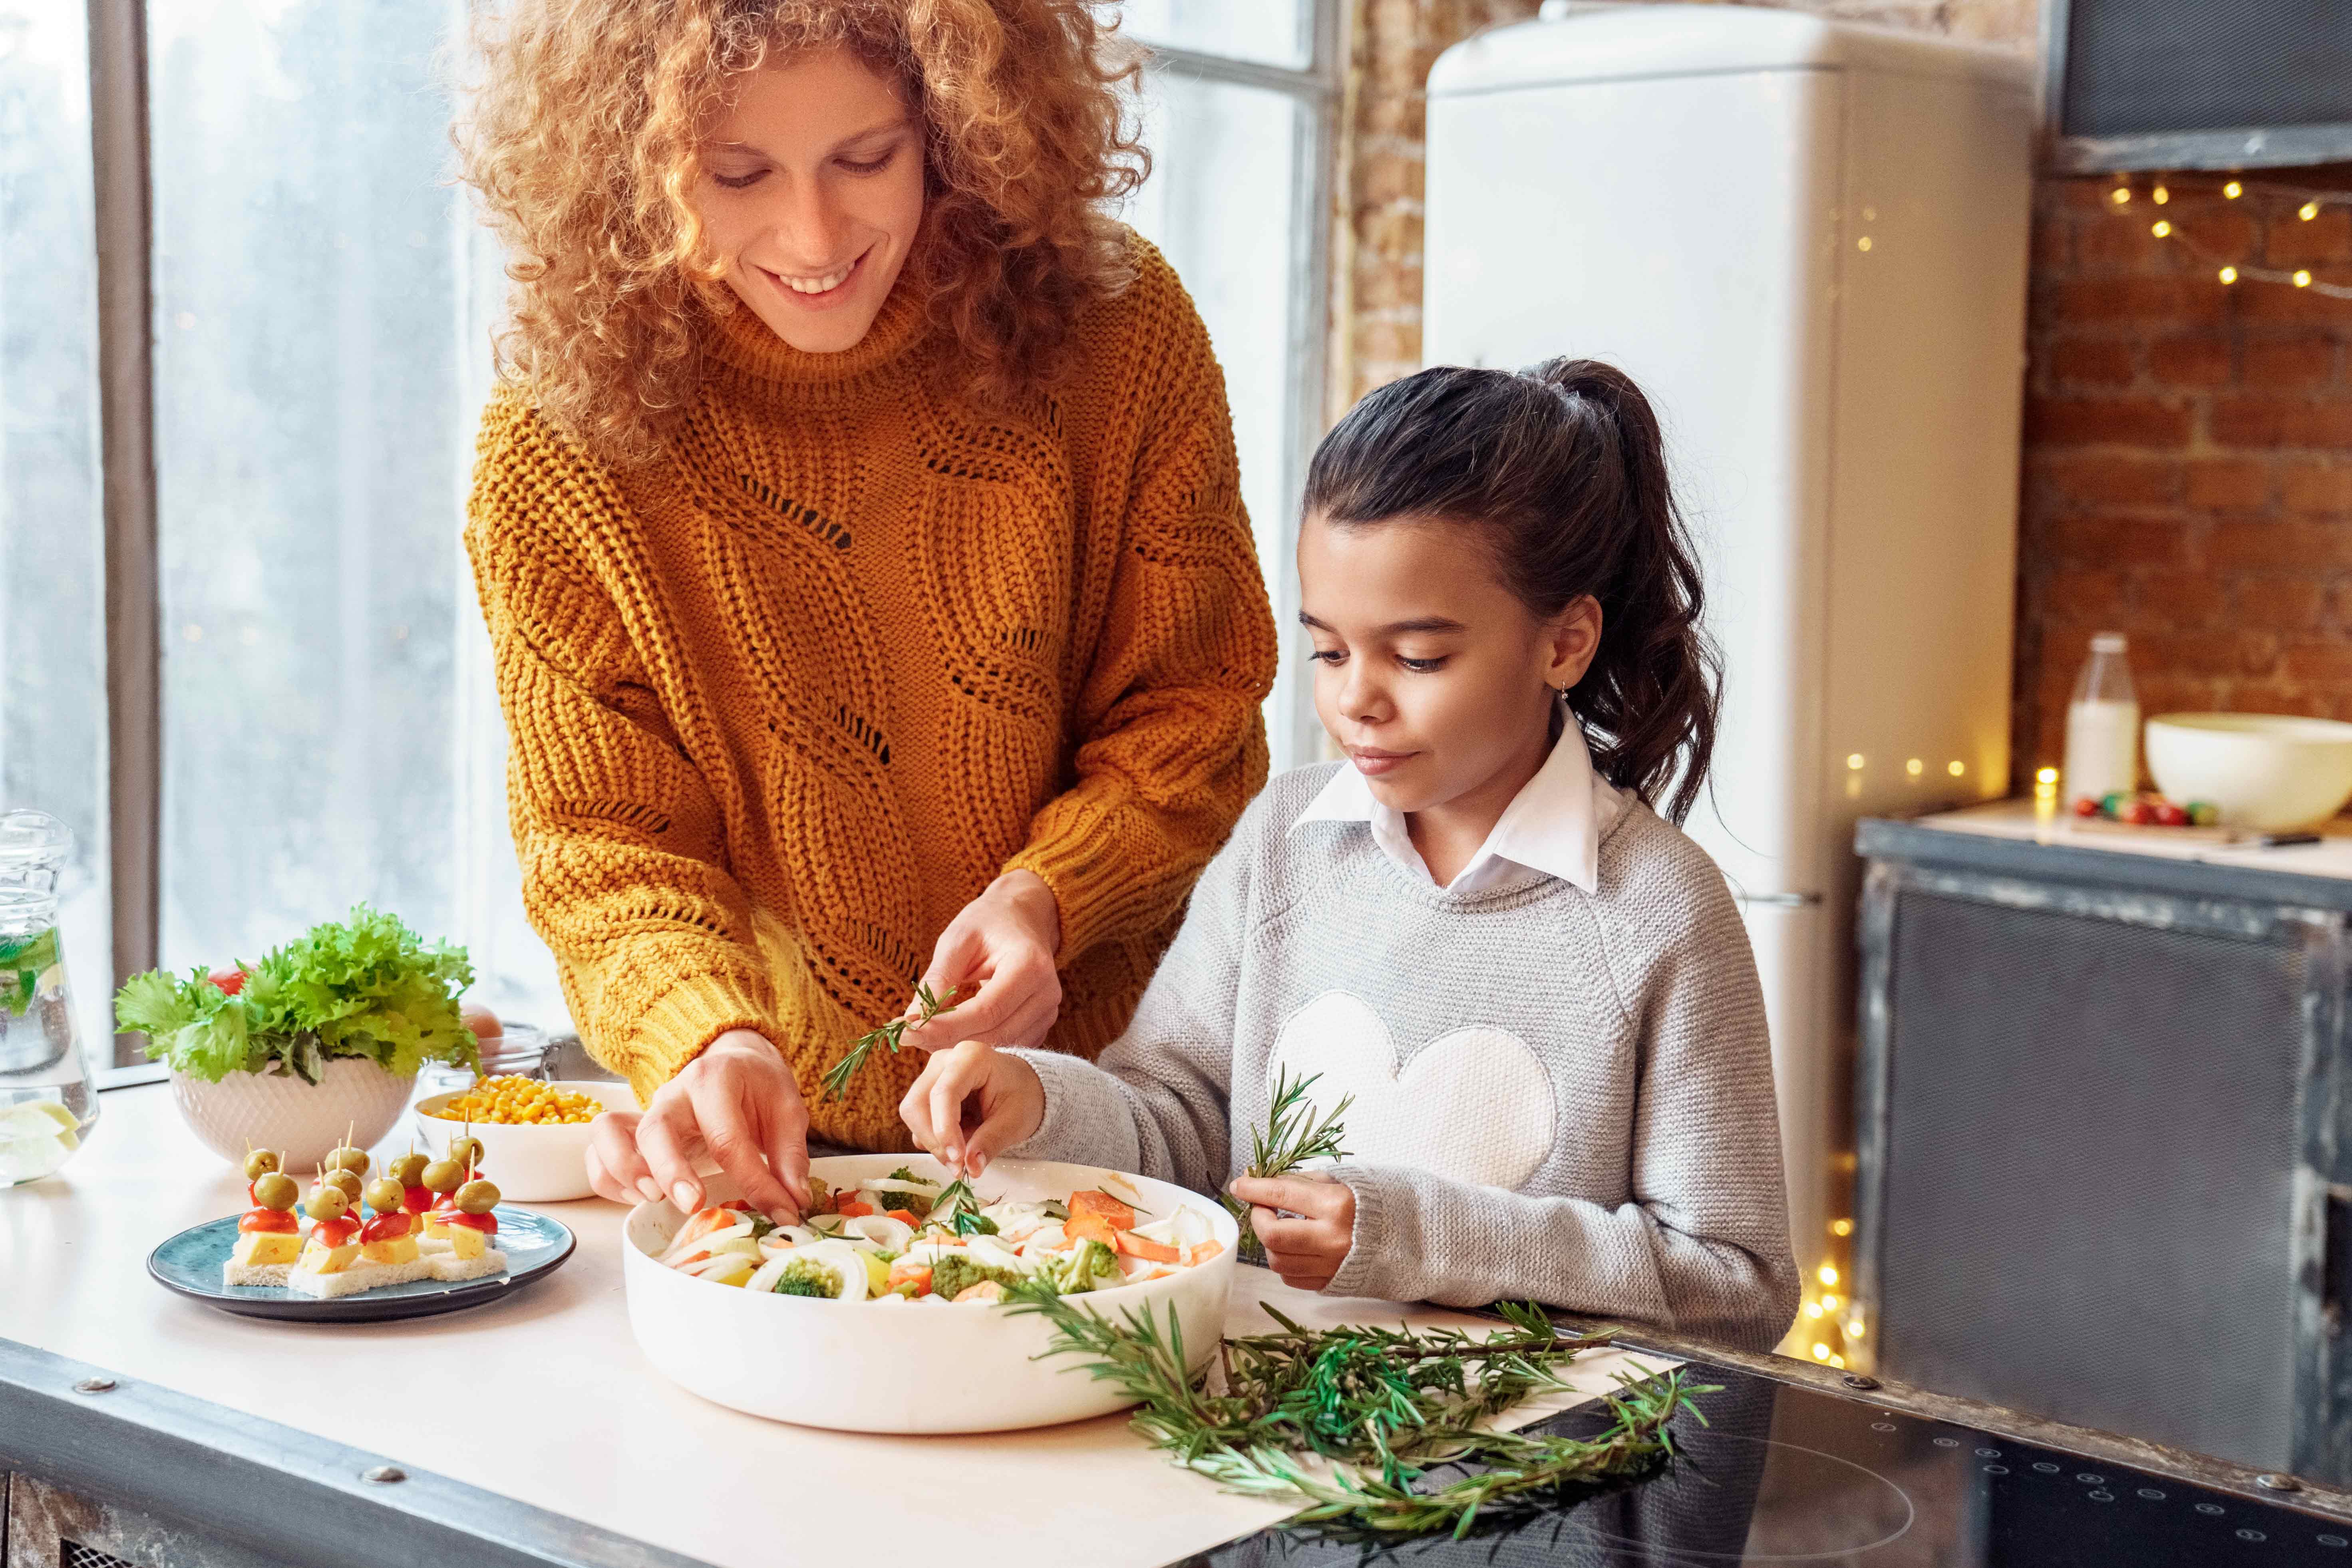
[1485, 925]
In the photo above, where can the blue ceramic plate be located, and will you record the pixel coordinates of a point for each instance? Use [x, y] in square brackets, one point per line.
[190, 1263]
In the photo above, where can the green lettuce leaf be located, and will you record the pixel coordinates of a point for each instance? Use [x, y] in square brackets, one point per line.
[367, 987]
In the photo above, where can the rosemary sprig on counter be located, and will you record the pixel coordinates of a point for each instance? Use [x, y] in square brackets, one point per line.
[1377, 1406]
[1291, 1137]
[928, 1005]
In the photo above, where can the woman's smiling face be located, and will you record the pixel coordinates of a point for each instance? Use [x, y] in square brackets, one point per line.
[812, 191]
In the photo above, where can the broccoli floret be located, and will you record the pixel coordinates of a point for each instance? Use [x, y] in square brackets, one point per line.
[1085, 1267]
[917, 1204]
[809, 1277]
[901, 1174]
[953, 1276]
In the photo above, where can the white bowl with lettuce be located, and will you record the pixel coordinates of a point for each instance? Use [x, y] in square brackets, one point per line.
[320, 1040]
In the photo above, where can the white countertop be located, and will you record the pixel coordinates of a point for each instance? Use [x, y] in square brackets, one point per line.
[2020, 819]
[544, 1397]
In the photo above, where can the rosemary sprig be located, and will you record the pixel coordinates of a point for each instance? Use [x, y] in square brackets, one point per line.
[1378, 1404]
[929, 1006]
[1291, 1137]
[957, 1207]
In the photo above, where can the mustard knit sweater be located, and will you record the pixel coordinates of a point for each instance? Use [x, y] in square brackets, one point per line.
[784, 700]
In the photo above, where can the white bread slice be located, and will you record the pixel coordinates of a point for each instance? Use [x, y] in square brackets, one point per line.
[236, 1273]
[359, 1277]
[447, 1265]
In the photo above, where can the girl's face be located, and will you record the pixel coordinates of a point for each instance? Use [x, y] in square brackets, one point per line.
[813, 190]
[1430, 674]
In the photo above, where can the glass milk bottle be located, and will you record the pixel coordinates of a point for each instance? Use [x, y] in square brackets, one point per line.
[46, 1103]
[2102, 725]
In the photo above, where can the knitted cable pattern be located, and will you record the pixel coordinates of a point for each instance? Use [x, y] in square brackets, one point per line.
[785, 701]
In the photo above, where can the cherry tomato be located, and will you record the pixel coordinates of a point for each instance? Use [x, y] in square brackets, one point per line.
[2086, 807]
[231, 981]
[2139, 813]
[272, 1220]
[2168, 814]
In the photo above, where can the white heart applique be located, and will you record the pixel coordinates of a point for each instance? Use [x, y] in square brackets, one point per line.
[1473, 1106]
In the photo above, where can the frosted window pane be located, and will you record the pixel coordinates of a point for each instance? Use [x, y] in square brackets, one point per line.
[52, 592]
[1226, 171]
[1272, 34]
[316, 378]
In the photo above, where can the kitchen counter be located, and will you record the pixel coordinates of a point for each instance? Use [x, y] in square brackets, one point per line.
[530, 1430]
[2009, 834]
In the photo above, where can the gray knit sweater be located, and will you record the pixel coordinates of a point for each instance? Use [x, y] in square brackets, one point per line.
[1558, 1095]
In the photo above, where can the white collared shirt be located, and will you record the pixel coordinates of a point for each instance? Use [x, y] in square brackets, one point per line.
[1554, 823]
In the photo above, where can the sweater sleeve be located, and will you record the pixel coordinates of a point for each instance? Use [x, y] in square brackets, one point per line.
[1172, 741]
[623, 850]
[1157, 1101]
[1702, 1246]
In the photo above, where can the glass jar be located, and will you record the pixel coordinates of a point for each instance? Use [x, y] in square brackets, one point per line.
[46, 1101]
[2102, 725]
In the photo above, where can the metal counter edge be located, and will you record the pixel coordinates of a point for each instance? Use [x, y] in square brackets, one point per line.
[273, 1490]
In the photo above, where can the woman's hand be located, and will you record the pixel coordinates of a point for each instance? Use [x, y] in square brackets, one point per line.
[738, 1100]
[972, 1102]
[997, 956]
[1307, 1250]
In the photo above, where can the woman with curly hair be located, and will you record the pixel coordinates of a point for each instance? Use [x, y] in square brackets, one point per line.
[858, 530]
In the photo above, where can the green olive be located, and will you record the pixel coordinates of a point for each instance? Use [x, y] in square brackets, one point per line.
[276, 1190]
[408, 1170]
[345, 1182]
[327, 1203]
[477, 1198]
[260, 1162]
[349, 1158]
[384, 1195]
[443, 1175]
[467, 1151]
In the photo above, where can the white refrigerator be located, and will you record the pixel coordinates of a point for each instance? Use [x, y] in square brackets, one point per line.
[1806, 242]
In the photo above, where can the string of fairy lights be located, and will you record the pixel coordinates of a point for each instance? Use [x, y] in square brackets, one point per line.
[2168, 226]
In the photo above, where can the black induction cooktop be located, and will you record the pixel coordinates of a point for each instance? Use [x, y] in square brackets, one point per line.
[1784, 1474]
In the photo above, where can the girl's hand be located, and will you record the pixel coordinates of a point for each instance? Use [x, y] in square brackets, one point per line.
[739, 1101]
[970, 1102]
[997, 955]
[1307, 1250]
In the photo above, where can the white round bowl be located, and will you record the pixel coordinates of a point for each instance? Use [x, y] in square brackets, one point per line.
[2264, 771]
[531, 1165]
[304, 1122]
[865, 1367]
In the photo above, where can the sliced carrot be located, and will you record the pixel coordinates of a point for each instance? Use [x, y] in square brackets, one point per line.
[1143, 1246]
[1116, 1214]
[855, 1210]
[1158, 1272]
[982, 1290]
[904, 1216]
[1203, 1252]
[918, 1275]
[1079, 1227]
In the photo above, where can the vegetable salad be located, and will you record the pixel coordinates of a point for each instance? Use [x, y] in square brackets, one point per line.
[903, 1238]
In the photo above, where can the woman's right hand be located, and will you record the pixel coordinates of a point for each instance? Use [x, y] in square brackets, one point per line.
[738, 1099]
[972, 1102]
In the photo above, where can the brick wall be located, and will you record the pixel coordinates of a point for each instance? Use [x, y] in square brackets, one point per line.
[2188, 453]
[2187, 462]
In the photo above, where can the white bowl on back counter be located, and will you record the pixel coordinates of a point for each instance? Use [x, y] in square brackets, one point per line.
[532, 1162]
[2264, 771]
[898, 1366]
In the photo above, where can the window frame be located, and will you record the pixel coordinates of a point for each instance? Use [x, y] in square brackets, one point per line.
[1294, 734]
[124, 223]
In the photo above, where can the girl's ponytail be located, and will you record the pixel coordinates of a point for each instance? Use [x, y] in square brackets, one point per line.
[1565, 466]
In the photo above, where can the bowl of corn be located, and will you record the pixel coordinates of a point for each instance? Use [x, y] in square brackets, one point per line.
[534, 1134]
